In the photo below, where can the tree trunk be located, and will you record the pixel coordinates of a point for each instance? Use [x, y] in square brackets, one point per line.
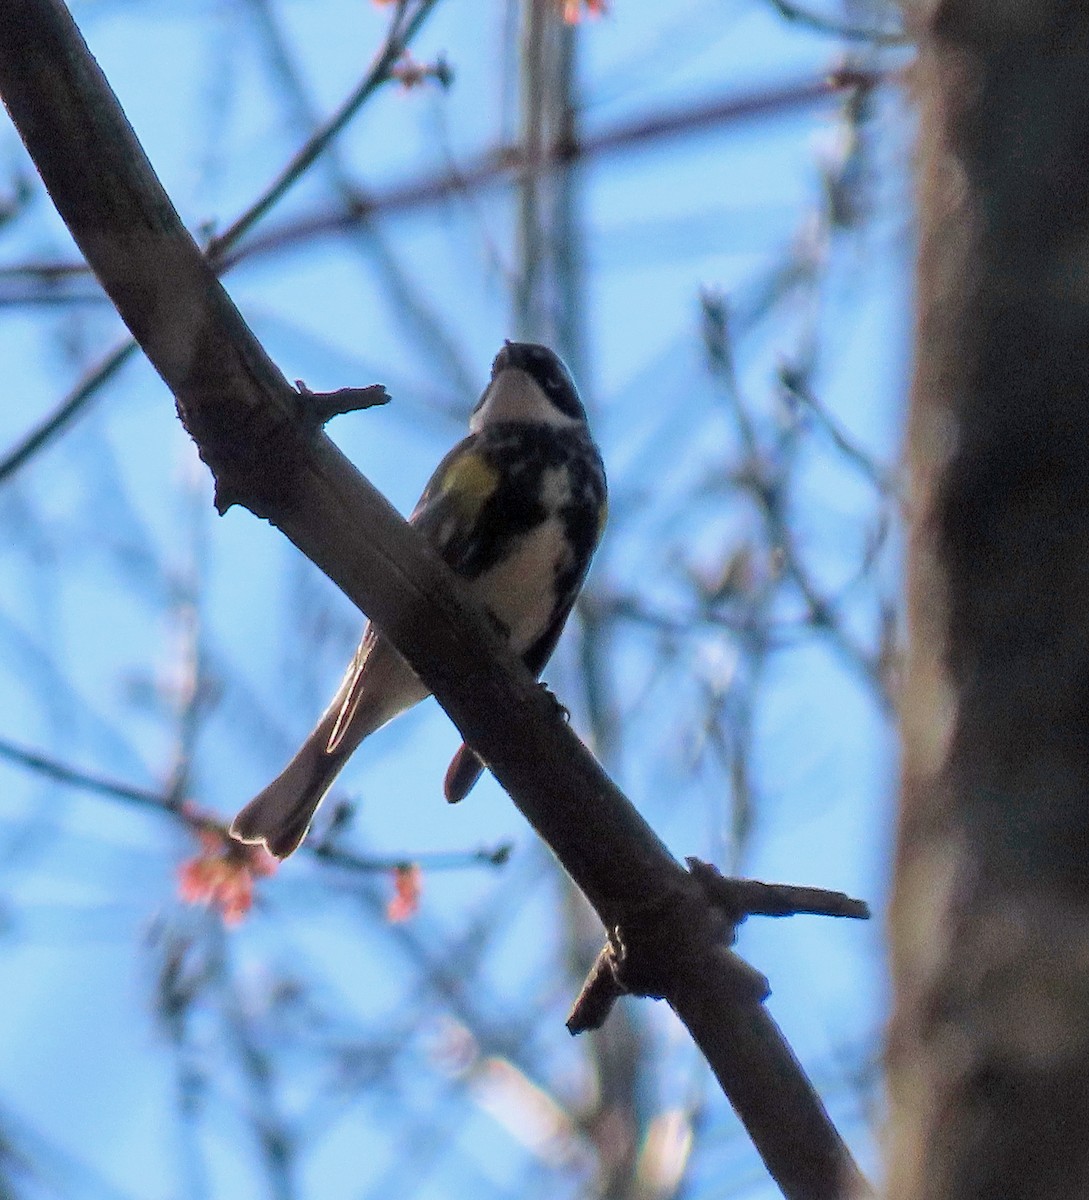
[989, 1054]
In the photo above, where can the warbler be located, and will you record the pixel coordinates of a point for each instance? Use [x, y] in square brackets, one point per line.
[517, 510]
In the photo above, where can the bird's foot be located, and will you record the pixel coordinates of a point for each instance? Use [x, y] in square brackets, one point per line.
[560, 707]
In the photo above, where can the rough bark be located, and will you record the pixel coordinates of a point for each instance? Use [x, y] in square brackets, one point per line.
[989, 1054]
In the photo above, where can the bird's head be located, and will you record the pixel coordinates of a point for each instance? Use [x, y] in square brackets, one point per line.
[530, 384]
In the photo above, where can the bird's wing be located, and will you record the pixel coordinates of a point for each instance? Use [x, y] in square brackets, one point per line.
[453, 512]
[351, 690]
[444, 513]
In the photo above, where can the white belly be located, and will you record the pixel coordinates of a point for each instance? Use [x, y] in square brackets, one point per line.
[520, 591]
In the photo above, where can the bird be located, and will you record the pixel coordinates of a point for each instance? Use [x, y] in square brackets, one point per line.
[517, 510]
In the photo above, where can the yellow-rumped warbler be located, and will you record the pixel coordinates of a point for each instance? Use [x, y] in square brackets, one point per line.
[517, 510]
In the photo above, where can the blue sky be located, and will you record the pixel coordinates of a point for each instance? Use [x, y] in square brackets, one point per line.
[116, 557]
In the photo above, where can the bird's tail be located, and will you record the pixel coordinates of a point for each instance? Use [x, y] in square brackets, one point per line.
[379, 685]
[281, 814]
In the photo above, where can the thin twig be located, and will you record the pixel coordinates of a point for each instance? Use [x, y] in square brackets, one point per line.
[798, 390]
[431, 861]
[69, 408]
[53, 768]
[397, 41]
[597, 998]
[609, 977]
[795, 13]
[115, 789]
[741, 898]
[321, 407]
[503, 164]
[415, 313]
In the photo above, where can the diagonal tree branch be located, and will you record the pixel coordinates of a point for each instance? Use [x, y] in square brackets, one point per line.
[245, 419]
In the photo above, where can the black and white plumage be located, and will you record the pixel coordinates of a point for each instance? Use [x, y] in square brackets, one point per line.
[516, 509]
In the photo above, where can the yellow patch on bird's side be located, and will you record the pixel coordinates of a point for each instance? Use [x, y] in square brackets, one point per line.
[469, 481]
[602, 519]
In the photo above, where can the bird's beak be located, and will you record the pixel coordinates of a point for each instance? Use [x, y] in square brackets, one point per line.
[503, 359]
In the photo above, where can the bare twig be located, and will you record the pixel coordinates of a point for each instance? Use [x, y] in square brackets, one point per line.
[741, 898]
[792, 11]
[599, 993]
[736, 899]
[321, 407]
[397, 41]
[88, 781]
[503, 165]
[69, 408]
[431, 861]
[52, 768]
[408, 304]
[798, 389]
